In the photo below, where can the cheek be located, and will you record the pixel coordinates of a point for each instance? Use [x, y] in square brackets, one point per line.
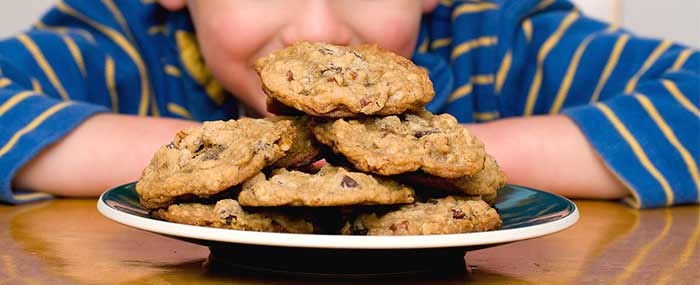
[398, 33]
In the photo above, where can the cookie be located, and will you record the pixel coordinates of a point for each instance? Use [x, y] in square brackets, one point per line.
[484, 182]
[305, 149]
[206, 160]
[330, 186]
[435, 144]
[339, 81]
[449, 215]
[228, 214]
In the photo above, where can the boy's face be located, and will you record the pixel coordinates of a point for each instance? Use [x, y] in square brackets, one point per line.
[232, 34]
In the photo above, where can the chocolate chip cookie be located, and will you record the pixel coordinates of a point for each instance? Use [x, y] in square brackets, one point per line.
[206, 160]
[449, 215]
[228, 214]
[339, 81]
[305, 149]
[435, 144]
[330, 186]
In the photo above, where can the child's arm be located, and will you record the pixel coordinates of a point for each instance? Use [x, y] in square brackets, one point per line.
[630, 107]
[104, 151]
[551, 153]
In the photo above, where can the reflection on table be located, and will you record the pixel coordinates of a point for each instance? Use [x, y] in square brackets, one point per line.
[68, 242]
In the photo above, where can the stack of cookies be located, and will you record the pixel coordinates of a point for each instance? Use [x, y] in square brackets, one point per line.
[391, 167]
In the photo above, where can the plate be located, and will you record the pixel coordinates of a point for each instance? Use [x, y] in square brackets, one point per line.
[526, 213]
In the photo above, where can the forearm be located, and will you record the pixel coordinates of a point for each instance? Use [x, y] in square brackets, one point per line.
[548, 153]
[104, 151]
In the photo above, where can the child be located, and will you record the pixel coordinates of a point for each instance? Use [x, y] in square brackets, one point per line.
[566, 104]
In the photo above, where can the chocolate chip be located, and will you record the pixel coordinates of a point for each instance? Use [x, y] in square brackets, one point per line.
[290, 75]
[457, 214]
[348, 182]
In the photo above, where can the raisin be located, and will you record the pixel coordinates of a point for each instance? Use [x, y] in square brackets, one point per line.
[353, 75]
[458, 214]
[290, 75]
[364, 101]
[403, 225]
[348, 182]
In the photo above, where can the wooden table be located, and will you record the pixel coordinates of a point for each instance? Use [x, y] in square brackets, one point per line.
[67, 241]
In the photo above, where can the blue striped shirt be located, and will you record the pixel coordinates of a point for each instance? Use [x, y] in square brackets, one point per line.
[635, 99]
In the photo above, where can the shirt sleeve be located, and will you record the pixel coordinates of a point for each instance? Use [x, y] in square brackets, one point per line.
[635, 99]
[74, 63]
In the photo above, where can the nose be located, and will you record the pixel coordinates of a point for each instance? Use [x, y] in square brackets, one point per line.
[317, 21]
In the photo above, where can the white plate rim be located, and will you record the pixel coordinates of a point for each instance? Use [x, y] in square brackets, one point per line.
[337, 241]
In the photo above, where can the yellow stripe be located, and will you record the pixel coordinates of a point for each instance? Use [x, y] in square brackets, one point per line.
[75, 52]
[120, 18]
[476, 43]
[682, 58]
[527, 29]
[179, 110]
[676, 93]
[122, 43]
[634, 264]
[569, 76]
[486, 116]
[658, 51]
[610, 66]
[4, 82]
[690, 246]
[671, 137]
[111, 84]
[65, 30]
[438, 43]
[14, 101]
[30, 196]
[154, 107]
[41, 61]
[503, 71]
[482, 79]
[423, 46]
[473, 8]
[32, 125]
[542, 54]
[544, 4]
[172, 70]
[460, 92]
[638, 151]
[36, 86]
[158, 29]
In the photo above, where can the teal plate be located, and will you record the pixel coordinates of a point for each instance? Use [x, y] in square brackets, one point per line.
[526, 213]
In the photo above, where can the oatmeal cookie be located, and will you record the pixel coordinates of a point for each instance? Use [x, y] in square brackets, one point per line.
[484, 182]
[228, 214]
[449, 215]
[330, 186]
[207, 160]
[339, 81]
[435, 144]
